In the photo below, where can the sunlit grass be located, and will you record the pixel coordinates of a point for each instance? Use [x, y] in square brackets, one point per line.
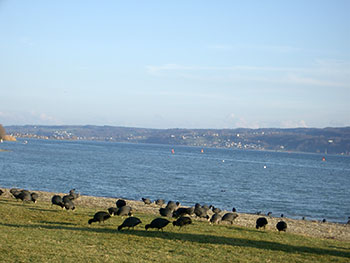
[41, 233]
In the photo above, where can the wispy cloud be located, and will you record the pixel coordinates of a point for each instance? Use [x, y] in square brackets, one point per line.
[321, 73]
[264, 48]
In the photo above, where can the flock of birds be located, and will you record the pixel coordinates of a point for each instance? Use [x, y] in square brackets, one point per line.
[182, 215]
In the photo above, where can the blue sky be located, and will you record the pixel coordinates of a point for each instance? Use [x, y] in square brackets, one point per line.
[175, 64]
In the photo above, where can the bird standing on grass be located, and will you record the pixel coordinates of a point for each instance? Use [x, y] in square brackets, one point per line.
[182, 221]
[158, 223]
[99, 217]
[57, 200]
[130, 222]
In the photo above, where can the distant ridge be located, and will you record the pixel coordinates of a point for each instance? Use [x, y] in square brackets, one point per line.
[331, 140]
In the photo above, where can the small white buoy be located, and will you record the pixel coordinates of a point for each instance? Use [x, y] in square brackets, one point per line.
[223, 161]
[264, 166]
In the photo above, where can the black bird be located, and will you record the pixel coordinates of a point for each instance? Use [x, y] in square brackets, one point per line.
[261, 222]
[348, 220]
[24, 195]
[57, 200]
[124, 211]
[182, 221]
[1, 192]
[165, 212]
[159, 202]
[229, 217]
[201, 212]
[281, 226]
[324, 220]
[234, 209]
[147, 201]
[269, 214]
[130, 222]
[120, 203]
[15, 192]
[183, 211]
[99, 217]
[158, 223]
[215, 218]
[112, 211]
[282, 215]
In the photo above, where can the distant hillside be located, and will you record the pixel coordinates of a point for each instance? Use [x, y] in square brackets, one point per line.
[327, 140]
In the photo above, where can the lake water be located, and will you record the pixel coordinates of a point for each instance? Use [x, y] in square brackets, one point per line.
[294, 184]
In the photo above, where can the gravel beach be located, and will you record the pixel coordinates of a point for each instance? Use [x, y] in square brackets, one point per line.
[309, 228]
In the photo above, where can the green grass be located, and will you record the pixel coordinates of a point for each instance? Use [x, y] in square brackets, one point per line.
[41, 233]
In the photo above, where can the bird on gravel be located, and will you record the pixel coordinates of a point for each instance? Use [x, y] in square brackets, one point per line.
[158, 223]
[281, 226]
[1, 192]
[182, 221]
[261, 222]
[120, 203]
[99, 217]
[215, 218]
[130, 222]
[229, 217]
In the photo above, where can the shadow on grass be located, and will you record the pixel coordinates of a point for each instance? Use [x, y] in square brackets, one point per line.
[195, 238]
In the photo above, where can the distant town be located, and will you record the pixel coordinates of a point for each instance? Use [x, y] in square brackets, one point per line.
[312, 140]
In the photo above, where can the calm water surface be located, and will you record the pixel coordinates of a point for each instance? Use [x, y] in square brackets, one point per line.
[290, 183]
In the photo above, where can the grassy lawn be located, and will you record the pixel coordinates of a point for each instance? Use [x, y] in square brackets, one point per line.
[41, 233]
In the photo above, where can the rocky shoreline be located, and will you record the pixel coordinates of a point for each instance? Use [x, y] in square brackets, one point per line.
[308, 228]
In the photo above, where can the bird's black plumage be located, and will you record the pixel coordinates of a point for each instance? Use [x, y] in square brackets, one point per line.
[130, 222]
[165, 212]
[261, 222]
[57, 200]
[229, 217]
[100, 216]
[215, 218]
[182, 221]
[158, 223]
[120, 203]
[183, 211]
[281, 226]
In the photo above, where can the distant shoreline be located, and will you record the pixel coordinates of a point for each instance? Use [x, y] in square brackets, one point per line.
[307, 140]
